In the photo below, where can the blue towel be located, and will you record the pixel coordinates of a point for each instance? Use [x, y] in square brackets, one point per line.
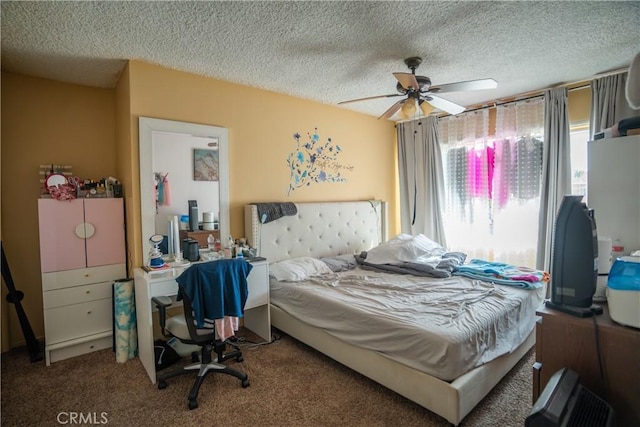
[501, 273]
[216, 288]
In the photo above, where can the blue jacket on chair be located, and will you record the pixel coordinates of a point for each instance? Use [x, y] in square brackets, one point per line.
[216, 288]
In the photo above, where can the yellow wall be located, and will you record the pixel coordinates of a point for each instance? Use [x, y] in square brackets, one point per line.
[96, 131]
[45, 122]
[127, 157]
[579, 101]
[261, 126]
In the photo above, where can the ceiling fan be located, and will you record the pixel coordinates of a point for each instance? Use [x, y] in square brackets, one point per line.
[418, 89]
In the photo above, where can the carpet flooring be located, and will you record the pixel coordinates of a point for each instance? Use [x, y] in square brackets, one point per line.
[291, 385]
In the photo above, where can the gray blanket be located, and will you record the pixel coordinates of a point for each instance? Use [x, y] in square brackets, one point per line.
[268, 212]
[445, 267]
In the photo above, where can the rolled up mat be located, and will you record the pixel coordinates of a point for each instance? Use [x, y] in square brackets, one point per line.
[126, 332]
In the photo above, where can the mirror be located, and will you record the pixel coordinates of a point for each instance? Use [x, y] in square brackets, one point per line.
[178, 164]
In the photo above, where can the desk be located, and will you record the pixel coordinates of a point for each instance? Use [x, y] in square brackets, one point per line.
[256, 314]
[563, 340]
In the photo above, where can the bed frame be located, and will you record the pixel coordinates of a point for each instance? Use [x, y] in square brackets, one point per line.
[335, 228]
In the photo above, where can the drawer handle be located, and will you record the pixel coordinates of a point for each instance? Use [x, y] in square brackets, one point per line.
[91, 346]
[89, 312]
[87, 275]
[88, 292]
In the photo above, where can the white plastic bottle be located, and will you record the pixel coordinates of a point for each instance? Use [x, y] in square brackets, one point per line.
[617, 249]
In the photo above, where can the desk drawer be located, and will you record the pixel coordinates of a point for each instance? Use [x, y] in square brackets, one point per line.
[76, 295]
[77, 320]
[165, 288]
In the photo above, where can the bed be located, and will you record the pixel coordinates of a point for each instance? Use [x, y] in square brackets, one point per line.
[452, 379]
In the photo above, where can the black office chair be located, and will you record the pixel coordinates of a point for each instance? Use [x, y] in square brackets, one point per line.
[184, 327]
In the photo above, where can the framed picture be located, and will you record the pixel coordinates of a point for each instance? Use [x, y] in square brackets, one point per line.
[205, 165]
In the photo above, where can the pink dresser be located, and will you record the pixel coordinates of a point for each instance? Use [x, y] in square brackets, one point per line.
[82, 252]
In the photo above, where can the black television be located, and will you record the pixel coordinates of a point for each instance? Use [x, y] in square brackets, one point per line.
[574, 259]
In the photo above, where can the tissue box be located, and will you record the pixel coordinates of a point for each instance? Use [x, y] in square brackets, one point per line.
[623, 291]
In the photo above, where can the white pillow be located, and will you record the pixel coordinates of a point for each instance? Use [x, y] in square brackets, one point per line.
[297, 269]
[406, 248]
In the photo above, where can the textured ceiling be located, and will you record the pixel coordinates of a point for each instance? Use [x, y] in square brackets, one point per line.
[326, 51]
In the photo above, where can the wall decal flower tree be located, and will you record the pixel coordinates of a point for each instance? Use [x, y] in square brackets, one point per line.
[314, 161]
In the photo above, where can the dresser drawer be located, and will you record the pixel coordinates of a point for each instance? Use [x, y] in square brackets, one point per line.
[77, 294]
[77, 320]
[82, 276]
[67, 350]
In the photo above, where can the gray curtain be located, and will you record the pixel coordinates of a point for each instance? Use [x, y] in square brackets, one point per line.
[421, 179]
[608, 102]
[556, 170]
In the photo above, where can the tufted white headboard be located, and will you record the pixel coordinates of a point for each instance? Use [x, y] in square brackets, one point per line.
[318, 229]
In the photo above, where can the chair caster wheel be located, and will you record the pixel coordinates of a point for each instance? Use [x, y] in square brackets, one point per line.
[162, 384]
[245, 383]
[193, 404]
[239, 358]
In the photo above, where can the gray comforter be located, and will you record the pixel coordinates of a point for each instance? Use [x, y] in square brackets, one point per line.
[443, 269]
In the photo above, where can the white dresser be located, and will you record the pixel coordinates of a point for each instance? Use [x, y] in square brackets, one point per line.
[256, 310]
[82, 252]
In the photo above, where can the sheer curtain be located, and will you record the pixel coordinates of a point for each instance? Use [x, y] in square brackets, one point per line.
[467, 210]
[493, 183]
[519, 136]
[421, 179]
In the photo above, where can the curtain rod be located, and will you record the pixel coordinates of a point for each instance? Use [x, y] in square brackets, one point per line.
[528, 96]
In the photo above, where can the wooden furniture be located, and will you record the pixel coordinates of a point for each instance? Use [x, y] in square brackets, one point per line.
[82, 252]
[567, 341]
[201, 236]
[332, 228]
[256, 314]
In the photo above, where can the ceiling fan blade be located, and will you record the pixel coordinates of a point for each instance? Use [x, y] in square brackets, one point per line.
[464, 86]
[393, 109]
[444, 105]
[407, 80]
[370, 97]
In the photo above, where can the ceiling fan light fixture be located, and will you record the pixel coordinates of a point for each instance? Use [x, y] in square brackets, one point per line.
[426, 108]
[408, 108]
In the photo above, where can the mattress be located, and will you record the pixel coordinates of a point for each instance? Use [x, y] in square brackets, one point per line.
[443, 327]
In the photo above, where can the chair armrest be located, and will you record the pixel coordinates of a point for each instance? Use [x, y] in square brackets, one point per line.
[162, 303]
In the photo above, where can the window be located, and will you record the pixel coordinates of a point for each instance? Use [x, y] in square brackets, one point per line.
[493, 183]
[579, 136]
